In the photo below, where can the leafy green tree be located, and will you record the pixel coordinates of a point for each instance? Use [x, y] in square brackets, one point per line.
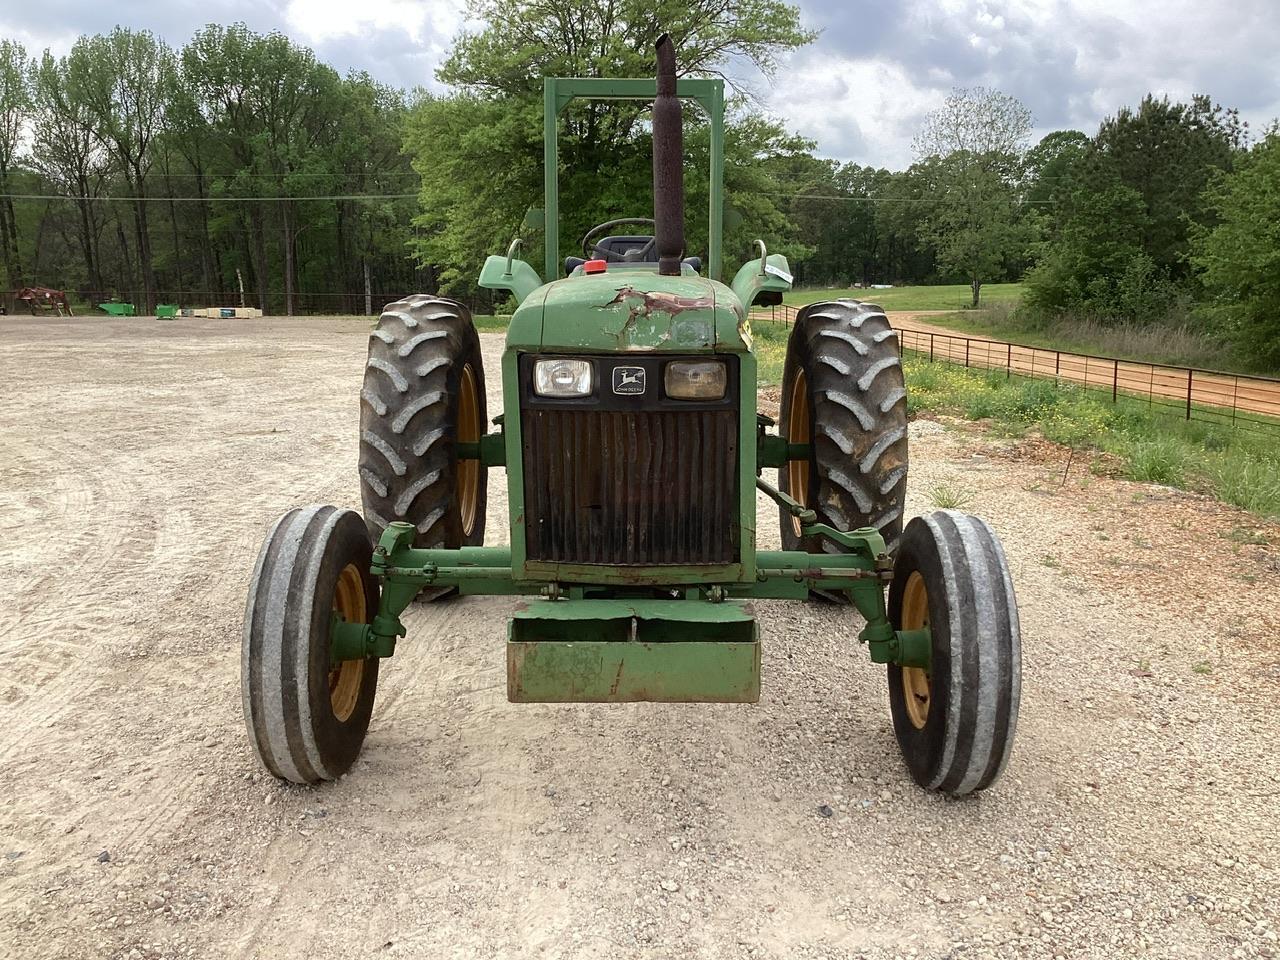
[478, 150]
[1239, 257]
[1053, 173]
[1094, 245]
[969, 157]
[1168, 152]
[67, 151]
[15, 108]
[127, 74]
[273, 107]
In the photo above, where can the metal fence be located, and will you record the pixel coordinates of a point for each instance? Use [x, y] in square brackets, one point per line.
[1191, 393]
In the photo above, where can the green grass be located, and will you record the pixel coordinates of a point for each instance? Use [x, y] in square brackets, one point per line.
[956, 296]
[1241, 466]
[945, 496]
[1173, 346]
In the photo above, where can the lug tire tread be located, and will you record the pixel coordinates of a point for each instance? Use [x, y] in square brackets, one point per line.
[408, 420]
[849, 354]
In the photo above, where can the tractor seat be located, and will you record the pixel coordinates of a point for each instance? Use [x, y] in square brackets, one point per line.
[624, 249]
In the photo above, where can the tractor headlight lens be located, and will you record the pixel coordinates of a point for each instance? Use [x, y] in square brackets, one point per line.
[696, 379]
[562, 377]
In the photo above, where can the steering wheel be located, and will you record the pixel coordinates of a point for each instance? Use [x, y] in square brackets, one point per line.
[591, 249]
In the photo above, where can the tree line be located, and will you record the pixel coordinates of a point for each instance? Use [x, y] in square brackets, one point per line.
[240, 161]
[237, 163]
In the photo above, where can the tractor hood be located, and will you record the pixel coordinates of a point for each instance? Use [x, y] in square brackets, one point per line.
[633, 308]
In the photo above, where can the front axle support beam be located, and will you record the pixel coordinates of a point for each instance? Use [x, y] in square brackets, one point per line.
[860, 573]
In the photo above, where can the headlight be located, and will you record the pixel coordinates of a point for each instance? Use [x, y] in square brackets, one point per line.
[695, 379]
[562, 377]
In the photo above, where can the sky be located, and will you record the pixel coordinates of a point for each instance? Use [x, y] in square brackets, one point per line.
[861, 90]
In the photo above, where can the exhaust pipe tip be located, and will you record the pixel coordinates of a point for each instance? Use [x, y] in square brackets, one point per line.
[668, 163]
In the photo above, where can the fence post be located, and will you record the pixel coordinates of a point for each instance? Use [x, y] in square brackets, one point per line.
[1190, 374]
[931, 348]
[1008, 363]
[966, 351]
[1115, 379]
[1057, 364]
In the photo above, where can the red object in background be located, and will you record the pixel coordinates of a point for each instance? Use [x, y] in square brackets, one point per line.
[43, 300]
[595, 266]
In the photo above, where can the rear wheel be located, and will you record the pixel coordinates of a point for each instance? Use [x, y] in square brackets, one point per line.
[955, 720]
[423, 394]
[307, 716]
[843, 394]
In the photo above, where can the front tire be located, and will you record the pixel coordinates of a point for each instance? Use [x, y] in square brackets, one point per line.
[955, 721]
[307, 717]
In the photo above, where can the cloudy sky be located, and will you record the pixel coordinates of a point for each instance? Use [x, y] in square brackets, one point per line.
[860, 90]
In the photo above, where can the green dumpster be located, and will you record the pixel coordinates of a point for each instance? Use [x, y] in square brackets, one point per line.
[116, 309]
[166, 311]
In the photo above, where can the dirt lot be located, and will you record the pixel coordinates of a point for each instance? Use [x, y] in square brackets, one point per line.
[140, 463]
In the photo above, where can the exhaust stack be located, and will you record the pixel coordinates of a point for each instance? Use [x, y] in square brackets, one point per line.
[668, 164]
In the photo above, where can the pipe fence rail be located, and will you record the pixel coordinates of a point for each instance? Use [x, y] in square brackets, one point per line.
[1190, 393]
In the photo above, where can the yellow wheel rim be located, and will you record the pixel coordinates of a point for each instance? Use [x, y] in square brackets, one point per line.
[916, 688]
[469, 426]
[345, 676]
[798, 432]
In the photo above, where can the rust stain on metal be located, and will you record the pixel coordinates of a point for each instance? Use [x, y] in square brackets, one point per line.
[657, 301]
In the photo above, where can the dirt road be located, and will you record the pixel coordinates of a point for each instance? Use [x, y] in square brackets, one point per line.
[140, 463]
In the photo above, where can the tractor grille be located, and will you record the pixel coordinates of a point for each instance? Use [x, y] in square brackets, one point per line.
[642, 487]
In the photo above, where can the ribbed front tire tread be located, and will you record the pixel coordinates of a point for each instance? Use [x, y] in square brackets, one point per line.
[976, 673]
[284, 663]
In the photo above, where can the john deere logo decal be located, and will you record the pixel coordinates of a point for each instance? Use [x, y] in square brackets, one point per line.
[628, 380]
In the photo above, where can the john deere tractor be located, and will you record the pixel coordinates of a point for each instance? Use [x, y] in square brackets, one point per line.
[634, 452]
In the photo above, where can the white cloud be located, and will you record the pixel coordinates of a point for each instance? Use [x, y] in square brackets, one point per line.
[863, 88]
[414, 21]
[855, 109]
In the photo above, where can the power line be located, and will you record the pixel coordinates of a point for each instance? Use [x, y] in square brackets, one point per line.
[367, 197]
[822, 196]
[167, 199]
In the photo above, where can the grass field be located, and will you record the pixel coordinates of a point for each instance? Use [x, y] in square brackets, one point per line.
[1239, 466]
[1174, 346]
[945, 297]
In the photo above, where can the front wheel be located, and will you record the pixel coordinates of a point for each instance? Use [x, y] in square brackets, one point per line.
[307, 716]
[955, 719]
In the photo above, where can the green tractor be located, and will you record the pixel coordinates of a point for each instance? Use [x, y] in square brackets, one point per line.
[634, 452]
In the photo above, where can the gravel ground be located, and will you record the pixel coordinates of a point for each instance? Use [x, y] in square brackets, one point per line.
[140, 463]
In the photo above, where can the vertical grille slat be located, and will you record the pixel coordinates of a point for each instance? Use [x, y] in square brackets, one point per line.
[636, 487]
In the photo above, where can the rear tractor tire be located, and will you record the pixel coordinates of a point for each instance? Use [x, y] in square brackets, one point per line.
[307, 716]
[955, 720]
[843, 394]
[423, 393]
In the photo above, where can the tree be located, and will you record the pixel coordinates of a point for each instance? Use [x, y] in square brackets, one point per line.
[1168, 152]
[68, 153]
[1239, 257]
[127, 74]
[1052, 174]
[969, 154]
[478, 150]
[1097, 239]
[15, 108]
